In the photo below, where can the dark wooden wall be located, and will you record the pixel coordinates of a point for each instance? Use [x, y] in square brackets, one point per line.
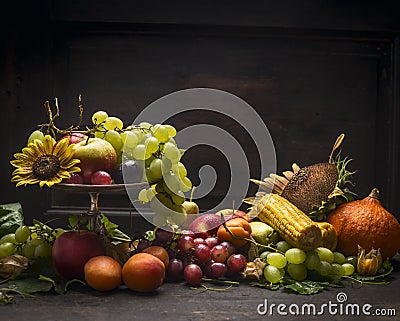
[311, 69]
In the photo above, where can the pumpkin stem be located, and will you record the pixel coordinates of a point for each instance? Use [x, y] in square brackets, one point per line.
[374, 193]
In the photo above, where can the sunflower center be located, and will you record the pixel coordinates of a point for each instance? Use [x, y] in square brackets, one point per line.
[45, 167]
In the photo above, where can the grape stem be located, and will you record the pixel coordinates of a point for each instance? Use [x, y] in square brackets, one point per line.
[51, 127]
[216, 281]
[228, 282]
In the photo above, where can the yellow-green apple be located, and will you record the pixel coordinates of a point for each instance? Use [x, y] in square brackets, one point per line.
[72, 250]
[263, 233]
[95, 154]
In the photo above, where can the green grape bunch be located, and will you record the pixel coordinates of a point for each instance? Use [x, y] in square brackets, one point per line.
[154, 149]
[300, 265]
[30, 241]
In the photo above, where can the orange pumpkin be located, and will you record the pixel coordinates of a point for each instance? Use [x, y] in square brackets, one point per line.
[368, 224]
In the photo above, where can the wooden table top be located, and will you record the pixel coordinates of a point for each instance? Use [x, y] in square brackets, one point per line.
[179, 302]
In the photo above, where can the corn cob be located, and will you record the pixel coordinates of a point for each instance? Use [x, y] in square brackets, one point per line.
[291, 223]
[329, 235]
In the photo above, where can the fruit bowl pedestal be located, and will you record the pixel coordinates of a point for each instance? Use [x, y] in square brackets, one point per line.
[94, 191]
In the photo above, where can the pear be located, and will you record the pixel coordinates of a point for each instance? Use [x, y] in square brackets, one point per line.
[263, 233]
[191, 207]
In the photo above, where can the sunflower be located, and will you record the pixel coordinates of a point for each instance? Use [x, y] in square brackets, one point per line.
[42, 162]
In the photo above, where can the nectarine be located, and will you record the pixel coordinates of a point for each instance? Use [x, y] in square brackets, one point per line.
[143, 272]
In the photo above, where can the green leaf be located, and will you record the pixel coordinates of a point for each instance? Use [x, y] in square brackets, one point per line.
[30, 285]
[112, 230]
[60, 285]
[266, 285]
[303, 287]
[42, 277]
[42, 266]
[10, 218]
[308, 287]
[73, 220]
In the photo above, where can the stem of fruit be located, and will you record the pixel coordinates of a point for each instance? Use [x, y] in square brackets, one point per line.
[191, 194]
[235, 283]
[51, 127]
[5, 281]
[206, 288]
[337, 144]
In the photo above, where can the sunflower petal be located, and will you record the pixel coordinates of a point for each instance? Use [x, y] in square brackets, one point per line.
[48, 144]
[61, 147]
[22, 171]
[70, 164]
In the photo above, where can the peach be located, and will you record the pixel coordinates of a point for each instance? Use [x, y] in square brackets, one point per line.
[143, 272]
[159, 252]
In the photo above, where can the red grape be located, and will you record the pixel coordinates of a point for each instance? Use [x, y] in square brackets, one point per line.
[236, 262]
[217, 270]
[75, 178]
[219, 253]
[211, 241]
[163, 236]
[229, 246]
[175, 270]
[128, 172]
[206, 268]
[203, 234]
[185, 243]
[189, 233]
[202, 253]
[193, 274]
[199, 240]
[142, 244]
[100, 178]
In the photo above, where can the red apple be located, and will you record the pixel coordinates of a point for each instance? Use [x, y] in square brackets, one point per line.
[74, 138]
[205, 225]
[72, 250]
[95, 154]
